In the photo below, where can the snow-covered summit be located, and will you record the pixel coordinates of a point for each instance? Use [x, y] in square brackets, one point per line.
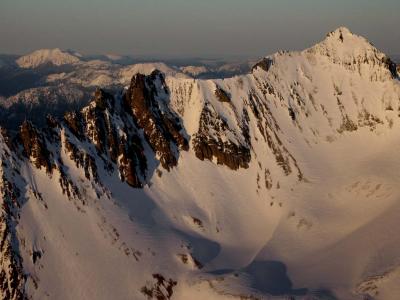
[343, 44]
[354, 52]
[55, 56]
[340, 48]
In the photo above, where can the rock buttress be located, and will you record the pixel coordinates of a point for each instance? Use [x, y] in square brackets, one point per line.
[147, 99]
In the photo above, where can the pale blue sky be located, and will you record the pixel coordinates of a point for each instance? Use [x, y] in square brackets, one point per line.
[191, 27]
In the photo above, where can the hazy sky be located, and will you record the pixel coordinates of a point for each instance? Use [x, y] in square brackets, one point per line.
[188, 28]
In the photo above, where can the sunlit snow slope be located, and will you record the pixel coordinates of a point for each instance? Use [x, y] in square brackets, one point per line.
[280, 183]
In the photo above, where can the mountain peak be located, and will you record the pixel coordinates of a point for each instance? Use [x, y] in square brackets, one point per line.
[54, 56]
[354, 52]
[340, 33]
[343, 41]
[342, 47]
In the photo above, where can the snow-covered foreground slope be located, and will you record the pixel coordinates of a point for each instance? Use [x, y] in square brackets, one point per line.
[280, 183]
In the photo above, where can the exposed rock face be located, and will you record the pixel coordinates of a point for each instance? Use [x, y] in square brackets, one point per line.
[209, 142]
[221, 95]
[147, 99]
[113, 128]
[162, 289]
[391, 66]
[6, 138]
[83, 160]
[264, 64]
[132, 161]
[12, 277]
[99, 126]
[104, 100]
[112, 132]
[73, 120]
[34, 145]
[394, 68]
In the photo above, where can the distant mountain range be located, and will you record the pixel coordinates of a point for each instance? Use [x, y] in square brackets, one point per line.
[53, 80]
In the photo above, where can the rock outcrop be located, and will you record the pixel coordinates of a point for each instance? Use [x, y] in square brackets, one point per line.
[221, 95]
[12, 276]
[147, 99]
[264, 64]
[210, 142]
[34, 146]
